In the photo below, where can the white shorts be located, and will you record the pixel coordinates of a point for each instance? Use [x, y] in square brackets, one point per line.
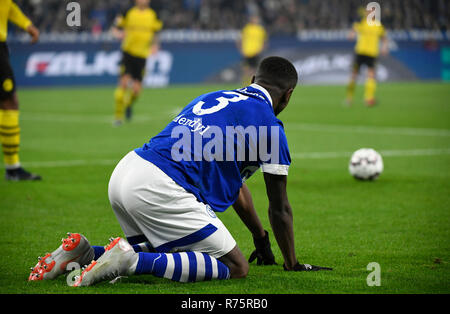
[150, 205]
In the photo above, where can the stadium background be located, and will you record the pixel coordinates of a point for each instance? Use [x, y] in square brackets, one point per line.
[198, 41]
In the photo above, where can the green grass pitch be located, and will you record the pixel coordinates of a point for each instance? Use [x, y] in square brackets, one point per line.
[401, 221]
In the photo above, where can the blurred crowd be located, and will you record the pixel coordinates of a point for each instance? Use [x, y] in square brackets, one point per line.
[278, 16]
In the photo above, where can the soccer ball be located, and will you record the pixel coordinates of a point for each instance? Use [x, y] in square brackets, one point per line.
[365, 164]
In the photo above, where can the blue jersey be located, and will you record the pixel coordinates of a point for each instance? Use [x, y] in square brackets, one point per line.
[218, 141]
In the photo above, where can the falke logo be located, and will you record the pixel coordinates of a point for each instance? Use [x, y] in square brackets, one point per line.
[72, 63]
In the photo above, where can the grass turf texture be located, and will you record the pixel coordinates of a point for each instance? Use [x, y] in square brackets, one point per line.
[400, 221]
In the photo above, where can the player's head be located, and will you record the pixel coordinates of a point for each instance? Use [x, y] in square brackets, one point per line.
[279, 77]
[142, 3]
[362, 12]
[254, 19]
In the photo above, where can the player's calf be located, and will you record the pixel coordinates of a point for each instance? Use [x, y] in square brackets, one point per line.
[236, 263]
[239, 271]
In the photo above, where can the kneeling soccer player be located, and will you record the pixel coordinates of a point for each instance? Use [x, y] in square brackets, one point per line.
[166, 193]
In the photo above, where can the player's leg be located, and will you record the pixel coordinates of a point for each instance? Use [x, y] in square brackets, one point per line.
[370, 86]
[236, 263]
[209, 253]
[119, 97]
[133, 233]
[132, 96]
[120, 259]
[137, 72]
[9, 128]
[76, 248]
[174, 221]
[189, 266]
[143, 246]
[9, 122]
[350, 92]
[190, 239]
[79, 249]
[122, 91]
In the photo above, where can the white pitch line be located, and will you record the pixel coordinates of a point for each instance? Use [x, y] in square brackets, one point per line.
[306, 155]
[86, 118]
[70, 163]
[383, 153]
[70, 118]
[367, 129]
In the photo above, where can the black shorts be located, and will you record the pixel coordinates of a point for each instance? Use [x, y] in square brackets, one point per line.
[252, 61]
[134, 66]
[7, 81]
[363, 59]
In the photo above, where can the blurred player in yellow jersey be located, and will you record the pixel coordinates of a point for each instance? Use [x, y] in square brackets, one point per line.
[9, 105]
[137, 28]
[251, 44]
[367, 49]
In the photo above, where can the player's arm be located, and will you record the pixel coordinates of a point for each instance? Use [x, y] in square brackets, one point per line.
[280, 216]
[246, 211]
[117, 29]
[351, 35]
[384, 44]
[281, 219]
[266, 41]
[156, 45]
[353, 32]
[239, 43]
[157, 27]
[239, 40]
[17, 17]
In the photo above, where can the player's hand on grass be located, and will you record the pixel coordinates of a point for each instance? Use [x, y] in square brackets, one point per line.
[263, 253]
[305, 267]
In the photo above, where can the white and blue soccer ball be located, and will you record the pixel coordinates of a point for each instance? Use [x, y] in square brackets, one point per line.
[366, 164]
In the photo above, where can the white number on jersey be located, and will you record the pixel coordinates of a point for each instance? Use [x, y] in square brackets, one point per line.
[223, 102]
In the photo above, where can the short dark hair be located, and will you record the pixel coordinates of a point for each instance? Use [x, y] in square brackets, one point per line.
[278, 72]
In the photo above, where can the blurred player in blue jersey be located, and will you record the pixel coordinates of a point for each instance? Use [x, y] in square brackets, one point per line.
[166, 193]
